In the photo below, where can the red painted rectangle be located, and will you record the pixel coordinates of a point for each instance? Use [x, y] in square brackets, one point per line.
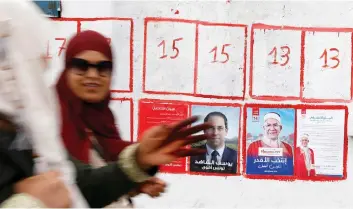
[152, 108]
[161, 81]
[119, 120]
[169, 57]
[152, 114]
[303, 110]
[275, 54]
[310, 60]
[221, 62]
[81, 25]
[327, 66]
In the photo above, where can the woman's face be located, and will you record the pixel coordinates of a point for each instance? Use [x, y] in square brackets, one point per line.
[90, 83]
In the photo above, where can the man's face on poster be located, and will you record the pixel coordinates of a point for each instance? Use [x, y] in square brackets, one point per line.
[305, 141]
[272, 128]
[217, 132]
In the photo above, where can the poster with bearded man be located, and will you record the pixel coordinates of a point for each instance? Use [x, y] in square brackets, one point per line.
[269, 141]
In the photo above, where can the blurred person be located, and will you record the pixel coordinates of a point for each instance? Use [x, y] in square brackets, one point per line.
[137, 163]
[32, 156]
[24, 97]
[88, 125]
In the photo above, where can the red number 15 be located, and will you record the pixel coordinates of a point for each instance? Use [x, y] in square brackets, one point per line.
[225, 54]
[175, 49]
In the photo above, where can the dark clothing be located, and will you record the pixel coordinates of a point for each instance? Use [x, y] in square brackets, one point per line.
[228, 162]
[100, 186]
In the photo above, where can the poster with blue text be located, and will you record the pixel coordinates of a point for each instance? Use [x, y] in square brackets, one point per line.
[270, 141]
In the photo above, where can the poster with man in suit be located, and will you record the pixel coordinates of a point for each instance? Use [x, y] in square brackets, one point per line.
[222, 145]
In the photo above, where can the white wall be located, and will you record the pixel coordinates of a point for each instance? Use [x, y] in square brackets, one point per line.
[230, 192]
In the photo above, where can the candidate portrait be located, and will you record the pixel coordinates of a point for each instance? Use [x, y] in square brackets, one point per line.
[219, 157]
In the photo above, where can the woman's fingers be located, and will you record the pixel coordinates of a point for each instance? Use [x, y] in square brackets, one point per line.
[179, 143]
[194, 139]
[193, 130]
[183, 123]
[190, 152]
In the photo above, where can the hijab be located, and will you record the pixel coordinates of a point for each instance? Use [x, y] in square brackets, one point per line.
[24, 97]
[78, 115]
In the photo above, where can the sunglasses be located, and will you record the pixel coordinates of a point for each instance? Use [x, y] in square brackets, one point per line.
[81, 66]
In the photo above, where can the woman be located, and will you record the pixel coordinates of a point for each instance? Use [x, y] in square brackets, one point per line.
[24, 97]
[88, 125]
[28, 124]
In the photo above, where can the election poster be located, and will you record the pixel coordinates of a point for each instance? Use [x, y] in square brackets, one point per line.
[157, 113]
[222, 145]
[320, 143]
[269, 141]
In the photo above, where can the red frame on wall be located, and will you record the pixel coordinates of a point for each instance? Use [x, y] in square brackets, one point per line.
[302, 58]
[197, 23]
[296, 107]
[79, 20]
[123, 99]
[188, 105]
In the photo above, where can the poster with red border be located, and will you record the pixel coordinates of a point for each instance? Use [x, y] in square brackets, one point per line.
[224, 135]
[164, 112]
[296, 129]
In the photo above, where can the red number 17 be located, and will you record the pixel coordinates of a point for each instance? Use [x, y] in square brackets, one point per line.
[62, 47]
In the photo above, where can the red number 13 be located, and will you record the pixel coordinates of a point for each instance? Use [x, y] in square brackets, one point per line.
[284, 55]
[334, 58]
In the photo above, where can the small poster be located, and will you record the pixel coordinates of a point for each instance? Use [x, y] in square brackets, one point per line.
[50, 8]
[157, 113]
[270, 141]
[320, 143]
[222, 146]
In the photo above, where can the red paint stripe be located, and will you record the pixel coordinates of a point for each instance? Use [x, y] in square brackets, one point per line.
[245, 58]
[295, 138]
[219, 97]
[351, 66]
[243, 140]
[274, 98]
[144, 57]
[239, 142]
[78, 26]
[90, 19]
[125, 99]
[161, 101]
[296, 28]
[131, 83]
[302, 64]
[196, 60]
[312, 100]
[163, 19]
[345, 147]
[251, 62]
[131, 120]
